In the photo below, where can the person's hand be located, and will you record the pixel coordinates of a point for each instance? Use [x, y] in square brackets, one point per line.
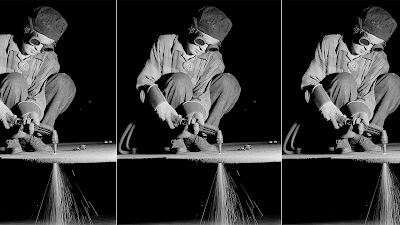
[4, 113]
[331, 113]
[166, 112]
[196, 119]
[361, 119]
[31, 119]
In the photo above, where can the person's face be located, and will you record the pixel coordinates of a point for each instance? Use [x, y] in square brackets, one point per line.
[365, 43]
[200, 43]
[34, 43]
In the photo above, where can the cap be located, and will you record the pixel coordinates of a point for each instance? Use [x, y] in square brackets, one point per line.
[48, 22]
[378, 22]
[213, 22]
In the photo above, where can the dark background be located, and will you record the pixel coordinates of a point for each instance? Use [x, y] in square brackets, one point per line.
[251, 52]
[161, 190]
[87, 53]
[301, 32]
[329, 190]
[23, 185]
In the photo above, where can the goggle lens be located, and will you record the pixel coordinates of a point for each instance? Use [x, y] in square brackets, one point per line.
[199, 42]
[34, 41]
[364, 42]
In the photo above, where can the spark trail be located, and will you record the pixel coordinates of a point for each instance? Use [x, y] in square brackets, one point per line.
[59, 205]
[387, 210]
[225, 207]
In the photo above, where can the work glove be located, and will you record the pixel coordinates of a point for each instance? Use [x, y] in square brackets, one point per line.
[31, 119]
[4, 113]
[331, 113]
[360, 119]
[166, 112]
[196, 119]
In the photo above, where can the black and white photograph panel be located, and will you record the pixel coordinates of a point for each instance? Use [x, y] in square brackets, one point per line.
[57, 75]
[345, 88]
[199, 80]
[186, 192]
[339, 113]
[57, 112]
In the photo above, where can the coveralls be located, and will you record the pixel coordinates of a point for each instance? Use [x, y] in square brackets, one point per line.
[36, 79]
[198, 79]
[365, 78]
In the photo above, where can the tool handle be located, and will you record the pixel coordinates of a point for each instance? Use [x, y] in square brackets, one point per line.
[43, 130]
[368, 129]
[202, 128]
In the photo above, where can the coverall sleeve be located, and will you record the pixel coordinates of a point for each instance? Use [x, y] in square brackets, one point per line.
[36, 92]
[202, 89]
[152, 69]
[316, 71]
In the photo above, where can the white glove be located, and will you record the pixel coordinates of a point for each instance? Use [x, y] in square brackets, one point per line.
[4, 113]
[331, 112]
[166, 112]
[196, 119]
[361, 119]
[31, 118]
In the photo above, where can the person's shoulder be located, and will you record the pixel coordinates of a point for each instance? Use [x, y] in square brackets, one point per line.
[5, 36]
[167, 38]
[5, 39]
[216, 55]
[332, 39]
[380, 55]
[48, 56]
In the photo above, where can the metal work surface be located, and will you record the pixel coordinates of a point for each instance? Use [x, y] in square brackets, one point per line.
[95, 152]
[392, 155]
[259, 152]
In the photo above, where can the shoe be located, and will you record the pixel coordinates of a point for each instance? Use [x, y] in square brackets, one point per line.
[13, 146]
[201, 144]
[366, 144]
[343, 146]
[34, 143]
[178, 146]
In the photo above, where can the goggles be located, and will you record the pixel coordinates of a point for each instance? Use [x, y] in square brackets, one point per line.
[364, 41]
[200, 41]
[35, 41]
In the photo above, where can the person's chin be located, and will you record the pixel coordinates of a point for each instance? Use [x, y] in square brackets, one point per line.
[32, 53]
[199, 53]
[362, 53]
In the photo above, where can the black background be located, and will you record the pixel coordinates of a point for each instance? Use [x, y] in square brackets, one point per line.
[304, 23]
[87, 53]
[251, 52]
